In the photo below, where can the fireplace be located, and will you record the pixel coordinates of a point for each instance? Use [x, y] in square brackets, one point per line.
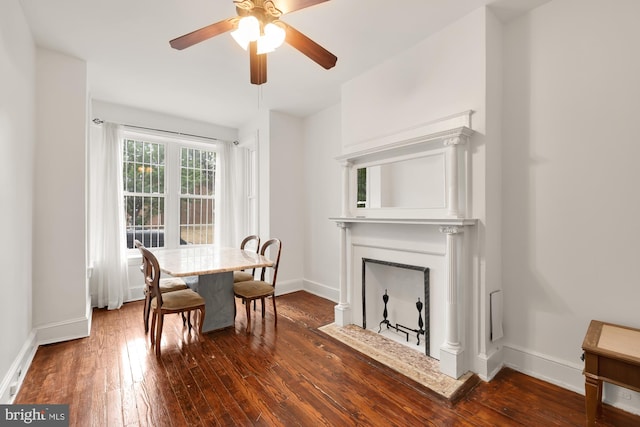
[404, 201]
[414, 330]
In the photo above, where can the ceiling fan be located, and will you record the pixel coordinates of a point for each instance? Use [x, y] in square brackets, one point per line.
[258, 27]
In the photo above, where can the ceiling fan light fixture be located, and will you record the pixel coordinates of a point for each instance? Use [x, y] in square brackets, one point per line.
[273, 38]
[248, 31]
[258, 29]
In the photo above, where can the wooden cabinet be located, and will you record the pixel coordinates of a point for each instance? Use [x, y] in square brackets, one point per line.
[611, 354]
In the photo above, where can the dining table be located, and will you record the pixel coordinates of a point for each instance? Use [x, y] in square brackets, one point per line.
[213, 266]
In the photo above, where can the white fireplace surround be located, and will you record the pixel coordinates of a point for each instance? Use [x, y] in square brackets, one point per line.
[417, 236]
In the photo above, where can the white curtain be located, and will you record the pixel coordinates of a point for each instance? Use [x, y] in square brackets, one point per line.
[107, 244]
[232, 222]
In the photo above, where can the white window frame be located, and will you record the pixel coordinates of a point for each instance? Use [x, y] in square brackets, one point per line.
[172, 195]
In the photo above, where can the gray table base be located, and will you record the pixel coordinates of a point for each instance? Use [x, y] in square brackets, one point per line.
[217, 291]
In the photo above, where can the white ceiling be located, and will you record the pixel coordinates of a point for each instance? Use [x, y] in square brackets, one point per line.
[126, 46]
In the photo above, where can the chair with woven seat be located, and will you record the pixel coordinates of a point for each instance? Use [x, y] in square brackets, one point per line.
[252, 290]
[167, 284]
[182, 301]
[251, 242]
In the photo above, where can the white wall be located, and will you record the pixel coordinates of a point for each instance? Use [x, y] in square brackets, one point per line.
[298, 182]
[125, 115]
[280, 142]
[17, 144]
[487, 198]
[61, 307]
[570, 235]
[322, 143]
[286, 197]
[440, 76]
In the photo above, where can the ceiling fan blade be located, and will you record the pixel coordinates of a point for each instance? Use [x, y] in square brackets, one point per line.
[202, 34]
[257, 65]
[288, 6]
[310, 48]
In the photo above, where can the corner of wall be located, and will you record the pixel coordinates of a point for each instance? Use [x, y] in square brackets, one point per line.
[487, 366]
[288, 286]
[322, 290]
[12, 381]
[64, 331]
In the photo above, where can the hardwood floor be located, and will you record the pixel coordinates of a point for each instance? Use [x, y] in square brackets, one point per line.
[287, 375]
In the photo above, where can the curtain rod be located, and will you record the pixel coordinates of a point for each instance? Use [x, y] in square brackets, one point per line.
[100, 121]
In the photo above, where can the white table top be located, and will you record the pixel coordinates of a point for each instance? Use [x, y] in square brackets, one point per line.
[199, 260]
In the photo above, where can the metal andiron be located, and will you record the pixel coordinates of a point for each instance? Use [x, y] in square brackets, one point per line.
[401, 328]
[423, 325]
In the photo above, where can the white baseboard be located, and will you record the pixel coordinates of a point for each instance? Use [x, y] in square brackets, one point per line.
[288, 286]
[136, 293]
[64, 331]
[321, 290]
[13, 379]
[486, 367]
[285, 287]
[566, 375]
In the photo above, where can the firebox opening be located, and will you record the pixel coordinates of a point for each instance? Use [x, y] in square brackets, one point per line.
[400, 312]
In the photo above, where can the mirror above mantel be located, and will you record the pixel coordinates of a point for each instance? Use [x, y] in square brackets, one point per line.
[422, 176]
[407, 183]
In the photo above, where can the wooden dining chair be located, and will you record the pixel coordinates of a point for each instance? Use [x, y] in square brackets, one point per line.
[252, 290]
[252, 243]
[182, 301]
[167, 284]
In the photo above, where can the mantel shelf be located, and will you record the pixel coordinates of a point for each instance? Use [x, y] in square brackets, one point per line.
[418, 221]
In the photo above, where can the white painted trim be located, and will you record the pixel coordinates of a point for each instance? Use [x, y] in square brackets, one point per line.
[488, 367]
[322, 290]
[136, 293]
[288, 286]
[435, 129]
[566, 375]
[18, 370]
[46, 334]
[408, 221]
[89, 315]
[63, 331]
[420, 144]
[399, 245]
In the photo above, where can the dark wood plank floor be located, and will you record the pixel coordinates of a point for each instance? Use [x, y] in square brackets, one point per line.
[289, 375]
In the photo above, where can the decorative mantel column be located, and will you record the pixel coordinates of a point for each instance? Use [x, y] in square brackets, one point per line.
[451, 351]
[346, 168]
[342, 311]
[452, 174]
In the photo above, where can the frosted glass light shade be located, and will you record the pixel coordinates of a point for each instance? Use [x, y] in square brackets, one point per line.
[248, 31]
[273, 38]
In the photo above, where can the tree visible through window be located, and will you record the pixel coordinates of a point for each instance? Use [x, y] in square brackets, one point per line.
[362, 188]
[197, 191]
[149, 202]
[144, 191]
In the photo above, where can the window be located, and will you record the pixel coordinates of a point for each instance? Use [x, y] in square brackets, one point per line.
[362, 188]
[144, 191]
[169, 191]
[197, 189]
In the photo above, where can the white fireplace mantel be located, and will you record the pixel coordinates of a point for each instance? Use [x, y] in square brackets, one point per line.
[447, 142]
[417, 221]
